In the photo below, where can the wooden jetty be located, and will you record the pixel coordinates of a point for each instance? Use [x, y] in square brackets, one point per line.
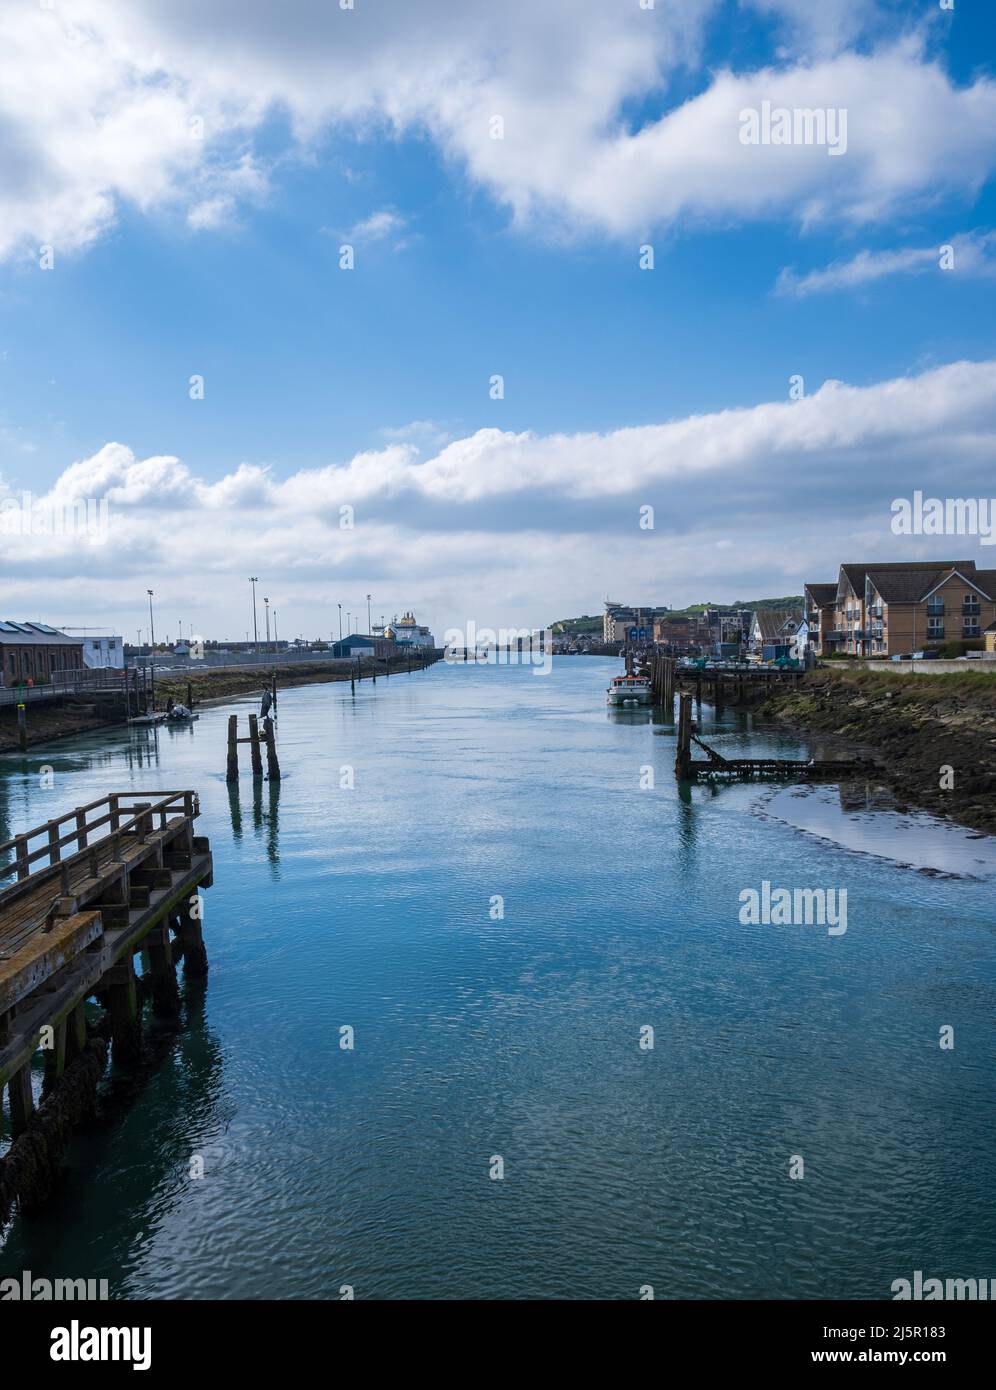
[689, 769]
[735, 682]
[90, 889]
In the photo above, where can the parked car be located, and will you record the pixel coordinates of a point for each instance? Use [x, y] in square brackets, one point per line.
[928, 655]
[901, 656]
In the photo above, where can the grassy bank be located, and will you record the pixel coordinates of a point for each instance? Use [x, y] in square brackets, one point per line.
[934, 736]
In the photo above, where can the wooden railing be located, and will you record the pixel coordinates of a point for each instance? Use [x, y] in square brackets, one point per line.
[134, 819]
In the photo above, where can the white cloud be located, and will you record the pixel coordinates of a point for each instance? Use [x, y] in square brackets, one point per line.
[972, 254]
[522, 527]
[101, 101]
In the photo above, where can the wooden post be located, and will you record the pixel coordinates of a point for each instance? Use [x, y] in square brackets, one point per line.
[272, 766]
[126, 1020]
[273, 687]
[165, 995]
[76, 1031]
[55, 1058]
[22, 1103]
[190, 694]
[684, 753]
[232, 775]
[195, 961]
[257, 761]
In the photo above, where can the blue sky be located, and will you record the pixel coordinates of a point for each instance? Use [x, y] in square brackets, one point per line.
[476, 257]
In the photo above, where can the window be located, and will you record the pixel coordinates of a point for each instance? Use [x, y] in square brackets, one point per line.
[935, 606]
[971, 627]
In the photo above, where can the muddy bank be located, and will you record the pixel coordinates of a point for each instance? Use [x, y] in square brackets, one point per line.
[934, 737]
[46, 723]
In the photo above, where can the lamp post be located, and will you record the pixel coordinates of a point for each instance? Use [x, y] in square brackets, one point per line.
[266, 604]
[340, 622]
[152, 649]
[253, 580]
[368, 616]
[275, 639]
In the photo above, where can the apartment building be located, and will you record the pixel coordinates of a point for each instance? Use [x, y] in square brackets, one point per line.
[883, 610]
[619, 620]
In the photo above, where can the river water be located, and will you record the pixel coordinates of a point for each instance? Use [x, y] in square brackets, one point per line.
[479, 1036]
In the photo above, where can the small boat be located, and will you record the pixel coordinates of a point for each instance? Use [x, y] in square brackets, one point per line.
[628, 690]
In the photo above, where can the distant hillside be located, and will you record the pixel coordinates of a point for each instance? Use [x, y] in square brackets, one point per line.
[792, 601]
[576, 627]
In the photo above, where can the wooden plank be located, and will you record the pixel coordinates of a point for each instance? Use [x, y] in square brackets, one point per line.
[46, 953]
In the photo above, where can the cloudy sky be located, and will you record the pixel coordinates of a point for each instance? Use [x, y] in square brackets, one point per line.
[178, 179]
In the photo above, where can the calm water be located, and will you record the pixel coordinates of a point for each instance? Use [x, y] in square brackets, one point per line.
[519, 1036]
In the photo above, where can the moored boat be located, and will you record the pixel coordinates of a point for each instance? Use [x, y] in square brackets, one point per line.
[628, 690]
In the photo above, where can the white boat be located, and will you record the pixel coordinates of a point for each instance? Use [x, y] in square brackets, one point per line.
[629, 690]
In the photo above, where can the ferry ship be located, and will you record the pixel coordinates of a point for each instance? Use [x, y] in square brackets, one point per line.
[406, 632]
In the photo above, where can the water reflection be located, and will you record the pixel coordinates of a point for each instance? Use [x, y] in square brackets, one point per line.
[265, 816]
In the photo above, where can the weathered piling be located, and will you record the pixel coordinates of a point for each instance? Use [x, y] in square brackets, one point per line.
[257, 761]
[232, 773]
[272, 765]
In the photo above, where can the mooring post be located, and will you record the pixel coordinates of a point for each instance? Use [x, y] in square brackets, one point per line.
[190, 694]
[22, 727]
[257, 761]
[165, 995]
[684, 754]
[126, 1020]
[195, 961]
[272, 766]
[232, 775]
[273, 687]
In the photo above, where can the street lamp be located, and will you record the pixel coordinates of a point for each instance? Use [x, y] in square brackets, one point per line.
[368, 615]
[253, 580]
[266, 604]
[152, 649]
[275, 639]
[340, 622]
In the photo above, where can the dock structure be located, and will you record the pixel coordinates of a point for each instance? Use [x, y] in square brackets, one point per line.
[662, 679]
[255, 739]
[714, 765]
[89, 890]
[735, 682]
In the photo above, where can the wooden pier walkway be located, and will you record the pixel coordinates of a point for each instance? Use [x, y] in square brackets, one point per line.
[85, 892]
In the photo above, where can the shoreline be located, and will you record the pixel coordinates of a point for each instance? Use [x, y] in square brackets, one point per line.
[933, 737]
[210, 687]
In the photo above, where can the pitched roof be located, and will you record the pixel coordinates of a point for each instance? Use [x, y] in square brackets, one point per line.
[986, 580]
[21, 634]
[772, 621]
[855, 574]
[905, 586]
[821, 594]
